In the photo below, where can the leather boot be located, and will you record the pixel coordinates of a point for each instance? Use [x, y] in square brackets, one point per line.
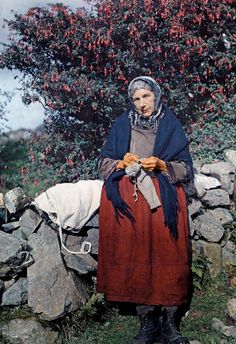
[170, 332]
[150, 328]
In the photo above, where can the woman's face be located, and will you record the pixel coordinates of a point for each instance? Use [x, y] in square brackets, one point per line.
[144, 102]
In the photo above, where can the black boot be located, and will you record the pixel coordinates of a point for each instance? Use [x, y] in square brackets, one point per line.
[169, 331]
[150, 329]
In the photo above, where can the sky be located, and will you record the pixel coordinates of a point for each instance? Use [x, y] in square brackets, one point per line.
[19, 115]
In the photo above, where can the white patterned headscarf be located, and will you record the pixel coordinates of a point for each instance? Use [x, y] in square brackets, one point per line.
[147, 83]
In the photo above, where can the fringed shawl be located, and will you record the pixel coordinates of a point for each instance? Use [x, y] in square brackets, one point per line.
[170, 144]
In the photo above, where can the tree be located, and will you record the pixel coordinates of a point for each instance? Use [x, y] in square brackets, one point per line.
[5, 98]
[78, 65]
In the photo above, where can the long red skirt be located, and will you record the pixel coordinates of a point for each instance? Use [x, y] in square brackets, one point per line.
[142, 263]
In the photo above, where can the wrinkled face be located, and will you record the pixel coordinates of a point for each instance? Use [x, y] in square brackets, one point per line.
[144, 102]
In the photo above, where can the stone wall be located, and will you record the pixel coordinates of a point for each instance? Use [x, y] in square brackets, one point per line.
[34, 271]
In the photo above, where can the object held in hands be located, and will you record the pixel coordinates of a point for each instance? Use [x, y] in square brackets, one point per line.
[128, 159]
[153, 163]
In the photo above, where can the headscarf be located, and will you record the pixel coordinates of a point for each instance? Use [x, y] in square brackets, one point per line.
[136, 119]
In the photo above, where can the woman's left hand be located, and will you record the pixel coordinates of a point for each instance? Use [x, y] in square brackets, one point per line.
[153, 163]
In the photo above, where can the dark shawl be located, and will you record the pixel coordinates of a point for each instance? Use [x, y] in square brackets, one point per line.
[171, 144]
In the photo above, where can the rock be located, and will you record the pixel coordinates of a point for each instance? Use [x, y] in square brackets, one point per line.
[230, 155]
[216, 198]
[93, 221]
[197, 164]
[194, 207]
[217, 324]
[194, 342]
[8, 283]
[1, 287]
[222, 215]
[93, 238]
[229, 331]
[10, 226]
[209, 228]
[15, 200]
[2, 205]
[224, 172]
[199, 188]
[3, 214]
[17, 294]
[52, 290]
[228, 253]
[29, 222]
[14, 255]
[82, 264]
[231, 308]
[213, 253]
[193, 226]
[218, 168]
[232, 282]
[206, 182]
[28, 331]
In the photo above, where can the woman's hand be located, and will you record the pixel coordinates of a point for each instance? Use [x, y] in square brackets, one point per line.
[153, 163]
[128, 159]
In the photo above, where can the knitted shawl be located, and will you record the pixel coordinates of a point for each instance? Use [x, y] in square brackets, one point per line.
[170, 144]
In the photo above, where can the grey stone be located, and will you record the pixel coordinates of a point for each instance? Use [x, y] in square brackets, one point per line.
[206, 182]
[194, 342]
[2, 205]
[197, 164]
[193, 226]
[222, 215]
[213, 253]
[1, 287]
[15, 200]
[218, 168]
[10, 226]
[231, 308]
[80, 263]
[93, 238]
[194, 207]
[228, 253]
[3, 214]
[9, 282]
[14, 255]
[224, 172]
[29, 222]
[17, 294]
[52, 290]
[216, 198]
[230, 155]
[199, 188]
[209, 228]
[28, 331]
[93, 221]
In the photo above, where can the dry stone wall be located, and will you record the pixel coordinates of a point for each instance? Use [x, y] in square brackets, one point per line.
[36, 272]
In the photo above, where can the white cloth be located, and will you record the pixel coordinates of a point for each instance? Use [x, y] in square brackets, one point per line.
[71, 205]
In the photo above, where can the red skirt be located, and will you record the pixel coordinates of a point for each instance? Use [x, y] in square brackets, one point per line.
[142, 263]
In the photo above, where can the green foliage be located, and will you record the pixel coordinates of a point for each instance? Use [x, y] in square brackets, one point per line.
[78, 65]
[13, 155]
[199, 271]
[112, 327]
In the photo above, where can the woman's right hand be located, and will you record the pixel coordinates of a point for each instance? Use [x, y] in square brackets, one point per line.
[128, 159]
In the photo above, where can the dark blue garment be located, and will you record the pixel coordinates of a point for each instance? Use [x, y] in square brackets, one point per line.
[170, 144]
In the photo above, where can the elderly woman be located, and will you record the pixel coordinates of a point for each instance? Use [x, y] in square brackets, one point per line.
[143, 246]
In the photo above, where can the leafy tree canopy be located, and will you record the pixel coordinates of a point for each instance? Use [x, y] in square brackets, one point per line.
[78, 64]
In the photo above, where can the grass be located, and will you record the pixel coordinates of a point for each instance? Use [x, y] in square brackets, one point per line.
[110, 327]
